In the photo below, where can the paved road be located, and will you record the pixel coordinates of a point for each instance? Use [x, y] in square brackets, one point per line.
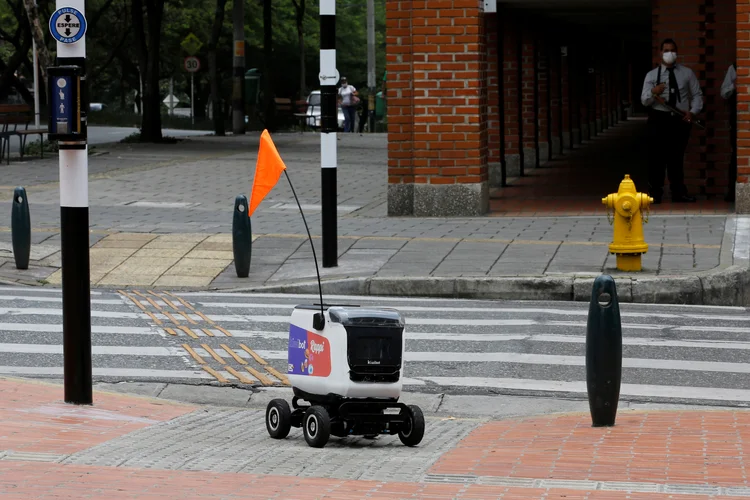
[671, 353]
[106, 135]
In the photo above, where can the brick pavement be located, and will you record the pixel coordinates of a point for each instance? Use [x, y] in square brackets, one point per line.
[685, 454]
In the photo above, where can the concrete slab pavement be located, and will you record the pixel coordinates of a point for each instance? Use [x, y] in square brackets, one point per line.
[129, 446]
[142, 196]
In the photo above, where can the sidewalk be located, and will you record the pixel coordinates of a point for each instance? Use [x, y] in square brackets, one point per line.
[137, 447]
[161, 217]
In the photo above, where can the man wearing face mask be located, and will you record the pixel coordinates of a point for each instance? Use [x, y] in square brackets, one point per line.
[670, 85]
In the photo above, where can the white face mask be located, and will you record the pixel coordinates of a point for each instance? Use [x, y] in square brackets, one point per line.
[669, 57]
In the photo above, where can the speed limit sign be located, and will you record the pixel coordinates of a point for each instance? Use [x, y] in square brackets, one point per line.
[192, 64]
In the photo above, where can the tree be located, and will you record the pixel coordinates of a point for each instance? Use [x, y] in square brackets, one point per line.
[148, 62]
[299, 7]
[215, 75]
[37, 33]
[269, 104]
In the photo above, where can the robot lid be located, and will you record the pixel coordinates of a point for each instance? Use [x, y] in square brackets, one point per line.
[365, 316]
[351, 315]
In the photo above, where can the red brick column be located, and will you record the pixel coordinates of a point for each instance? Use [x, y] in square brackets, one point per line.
[438, 129]
[742, 203]
[544, 88]
[512, 111]
[528, 111]
[555, 97]
[494, 127]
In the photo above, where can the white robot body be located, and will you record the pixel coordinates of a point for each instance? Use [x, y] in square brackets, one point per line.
[357, 355]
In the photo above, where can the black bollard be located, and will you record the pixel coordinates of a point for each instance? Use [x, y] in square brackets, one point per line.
[603, 352]
[20, 226]
[242, 237]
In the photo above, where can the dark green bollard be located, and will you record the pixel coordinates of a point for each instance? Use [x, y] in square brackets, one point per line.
[242, 237]
[603, 352]
[20, 226]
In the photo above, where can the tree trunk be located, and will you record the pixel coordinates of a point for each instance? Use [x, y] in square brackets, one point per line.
[213, 70]
[38, 33]
[269, 104]
[151, 125]
[7, 77]
[299, 6]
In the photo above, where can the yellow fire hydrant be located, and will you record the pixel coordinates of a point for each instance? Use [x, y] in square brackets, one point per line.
[628, 243]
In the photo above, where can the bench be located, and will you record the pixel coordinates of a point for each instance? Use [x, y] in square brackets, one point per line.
[286, 109]
[14, 121]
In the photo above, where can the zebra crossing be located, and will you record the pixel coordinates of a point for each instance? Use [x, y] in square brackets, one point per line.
[673, 353]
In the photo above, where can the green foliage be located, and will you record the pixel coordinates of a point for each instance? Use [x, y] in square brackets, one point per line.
[34, 148]
[113, 73]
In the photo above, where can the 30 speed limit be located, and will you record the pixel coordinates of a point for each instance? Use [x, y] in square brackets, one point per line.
[192, 64]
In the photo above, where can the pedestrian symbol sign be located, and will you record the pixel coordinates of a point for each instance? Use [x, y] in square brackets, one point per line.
[67, 25]
[191, 44]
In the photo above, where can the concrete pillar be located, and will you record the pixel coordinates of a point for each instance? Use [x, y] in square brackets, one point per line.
[438, 147]
[512, 109]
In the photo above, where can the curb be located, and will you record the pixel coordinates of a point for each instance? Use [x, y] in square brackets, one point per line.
[722, 287]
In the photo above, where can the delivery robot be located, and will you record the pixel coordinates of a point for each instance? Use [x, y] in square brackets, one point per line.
[346, 364]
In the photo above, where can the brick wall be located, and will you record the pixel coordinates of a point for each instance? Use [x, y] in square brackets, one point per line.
[543, 89]
[398, 91]
[438, 130]
[703, 30]
[743, 104]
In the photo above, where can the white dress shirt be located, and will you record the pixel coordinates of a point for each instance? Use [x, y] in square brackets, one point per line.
[691, 95]
[728, 88]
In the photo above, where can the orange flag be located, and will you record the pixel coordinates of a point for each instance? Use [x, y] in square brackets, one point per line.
[267, 171]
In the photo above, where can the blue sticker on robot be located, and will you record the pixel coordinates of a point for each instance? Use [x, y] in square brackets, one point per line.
[67, 25]
[62, 105]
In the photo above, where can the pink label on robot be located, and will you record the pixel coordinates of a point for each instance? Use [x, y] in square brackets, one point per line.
[309, 353]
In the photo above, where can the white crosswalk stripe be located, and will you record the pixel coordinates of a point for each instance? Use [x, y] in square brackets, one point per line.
[676, 353]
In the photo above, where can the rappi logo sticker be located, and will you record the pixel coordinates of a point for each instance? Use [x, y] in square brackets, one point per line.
[309, 353]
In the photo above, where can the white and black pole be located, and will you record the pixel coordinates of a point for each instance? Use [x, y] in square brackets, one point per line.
[69, 108]
[329, 77]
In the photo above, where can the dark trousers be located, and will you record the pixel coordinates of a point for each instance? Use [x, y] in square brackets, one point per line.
[349, 112]
[668, 140]
[733, 159]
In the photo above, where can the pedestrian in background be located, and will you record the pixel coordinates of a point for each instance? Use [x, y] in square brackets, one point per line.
[348, 100]
[673, 96]
[729, 93]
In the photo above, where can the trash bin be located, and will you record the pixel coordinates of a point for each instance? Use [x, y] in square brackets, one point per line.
[252, 86]
[379, 105]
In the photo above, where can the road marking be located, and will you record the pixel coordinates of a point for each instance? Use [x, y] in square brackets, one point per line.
[128, 373]
[188, 331]
[171, 318]
[640, 390]
[742, 239]
[208, 332]
[170, 331]
[188, 318]
[253, 354]
[32, 298]
[277, 374]
[166, 300]
[99, 350]
[242, 378]
[233, 354]
[410, 321]
[223, 330]
[40, 311]
[213, 354]
[57, 328]
[255, 373]
[194, 354]
[216, 374]
[149, 300]
[17, 289]
[156, 320]
[187, 304]
[373, 299]
[488, 310]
